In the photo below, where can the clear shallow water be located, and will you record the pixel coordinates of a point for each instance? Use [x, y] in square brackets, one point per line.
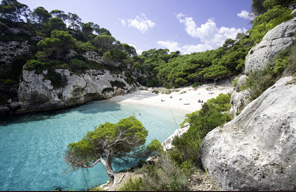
[32, 146]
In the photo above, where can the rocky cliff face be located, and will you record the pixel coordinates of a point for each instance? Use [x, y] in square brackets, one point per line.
[257, 150]
[36, 93]
[276, 40]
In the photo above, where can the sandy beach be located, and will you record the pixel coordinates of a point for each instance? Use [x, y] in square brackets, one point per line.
[187, 98]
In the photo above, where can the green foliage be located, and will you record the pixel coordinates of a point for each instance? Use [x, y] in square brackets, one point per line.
[152, 82]
[105, 42]
[41, 15]
[187, 168]
[174, 70]
[13, 10]
[56, 79]
[259, 81]
[263, 23]
[291, 66]
[196, 84]
[165, 175]
[281, 61]
[56, 24]
[257, 7]
[215, 71]
[55, 47]
[269, 4]
[155, 147]
[122, 138]
[137, 184]
[187, 147]
[34, 65]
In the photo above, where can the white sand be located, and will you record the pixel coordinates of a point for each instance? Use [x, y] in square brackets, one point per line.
[184, 101]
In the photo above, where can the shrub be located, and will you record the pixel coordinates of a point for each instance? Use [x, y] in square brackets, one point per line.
[34, 65]
[267, 21]
[152, 82]
[155, 146]
[259, 81]
[291, 65]
[133, 185]
[196, 84]
[187, 147]
[56, 79]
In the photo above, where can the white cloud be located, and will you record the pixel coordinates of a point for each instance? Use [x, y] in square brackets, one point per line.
[208, 33]
[171, 45]
[142, 23]
[186, 49]
[246, 15]
[122, 22]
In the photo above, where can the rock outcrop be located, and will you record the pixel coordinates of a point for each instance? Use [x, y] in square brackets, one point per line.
[257, 150]
[36, 93]
[277, 39]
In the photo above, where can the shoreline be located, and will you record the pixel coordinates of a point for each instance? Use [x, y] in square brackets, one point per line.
[187, 98]
[189, 103]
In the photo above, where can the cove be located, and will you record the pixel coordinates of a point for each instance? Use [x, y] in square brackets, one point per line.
[32, 146]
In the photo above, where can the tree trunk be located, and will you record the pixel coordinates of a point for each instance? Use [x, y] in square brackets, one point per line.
[109, 170]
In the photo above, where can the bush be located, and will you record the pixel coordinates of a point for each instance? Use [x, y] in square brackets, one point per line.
[34, 65]
[152, 82]
[155, 146]
[259, 81]
[187, 147]
[56, 79]
[196, 84]
[291, 65]
[133, 185]
[267, 21]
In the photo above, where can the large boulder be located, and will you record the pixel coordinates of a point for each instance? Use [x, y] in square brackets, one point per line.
[277, 39]
[257, 150]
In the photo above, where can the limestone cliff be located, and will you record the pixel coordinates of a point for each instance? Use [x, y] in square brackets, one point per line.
[36, 93]
[276, 40]
[257, 150]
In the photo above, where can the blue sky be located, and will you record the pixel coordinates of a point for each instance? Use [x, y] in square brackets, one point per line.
[184, 25]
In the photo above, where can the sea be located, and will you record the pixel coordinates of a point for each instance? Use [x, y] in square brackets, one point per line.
[32, 146]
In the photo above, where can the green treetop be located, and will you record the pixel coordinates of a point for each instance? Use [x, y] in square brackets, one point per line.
[108, 141]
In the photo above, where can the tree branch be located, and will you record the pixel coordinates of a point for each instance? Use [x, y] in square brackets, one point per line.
[96, 162]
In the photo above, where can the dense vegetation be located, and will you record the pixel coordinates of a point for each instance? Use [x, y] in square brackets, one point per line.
[62, 39]
[174, 70]
[59, 40]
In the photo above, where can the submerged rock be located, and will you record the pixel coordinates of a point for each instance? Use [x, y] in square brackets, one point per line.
[257, 150]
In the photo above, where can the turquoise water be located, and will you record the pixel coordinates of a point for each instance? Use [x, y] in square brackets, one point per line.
[32, 146]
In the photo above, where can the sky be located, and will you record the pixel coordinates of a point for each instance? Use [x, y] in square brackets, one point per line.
[184, 25]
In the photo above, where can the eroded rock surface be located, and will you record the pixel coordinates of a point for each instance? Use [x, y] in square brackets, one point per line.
[277, 39]
[37, 93]
[257, 150]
